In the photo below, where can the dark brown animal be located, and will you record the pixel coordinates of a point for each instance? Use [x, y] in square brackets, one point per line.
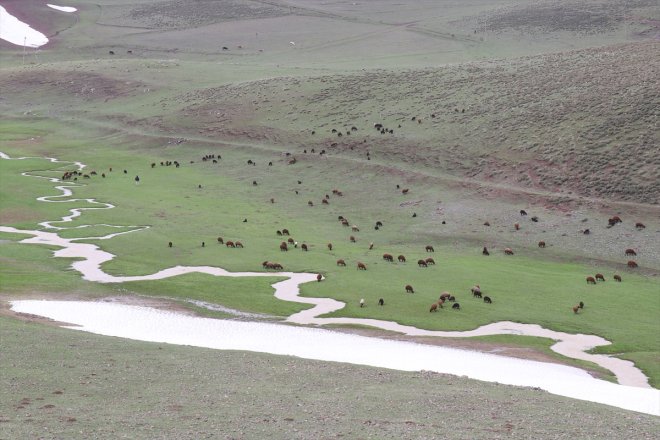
[341, 262]
[230, 244]
[485, 251]
[456, 306]
[405, 191]
[541, 244]
[632, 264]
[639, 225]
[388, 257]
[487, 300]
[576, 309]
[401, 259]
[310, 203]
[409, 289]
[517, 226]
[304, 247]
[599, 277]
[617, 278]
[325, 202]
[631, 253]
[169, 244]
[445, 296]
[508, 251]
[523, 212]
[319, 277]
[591, 280]
[434, 307]
[361, 266]
[586, 232]
[430, 261]
[238, 244]
[290, 240]
[220, 240]
[277, 266]
[352, 239]
[476, 291]
[422, 263]
[285, 232]
[429, 248]
[486, 223]
[381, 302]
[329, 246]
[278, 232]
[284, 247]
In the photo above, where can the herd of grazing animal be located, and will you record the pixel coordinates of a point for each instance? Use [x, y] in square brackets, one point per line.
[361, 266]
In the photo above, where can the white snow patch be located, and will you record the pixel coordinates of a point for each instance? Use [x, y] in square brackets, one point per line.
[62, 8]
[149, 324]
[18, 32]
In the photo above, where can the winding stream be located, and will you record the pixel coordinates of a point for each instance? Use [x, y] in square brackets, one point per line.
[633, 392]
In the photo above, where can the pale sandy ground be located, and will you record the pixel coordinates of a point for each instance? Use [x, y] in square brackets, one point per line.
[632, 393]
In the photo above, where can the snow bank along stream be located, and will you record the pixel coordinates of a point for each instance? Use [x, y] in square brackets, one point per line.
[148, 324]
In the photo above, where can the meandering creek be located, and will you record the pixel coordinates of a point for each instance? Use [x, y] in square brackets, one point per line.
[134, 322]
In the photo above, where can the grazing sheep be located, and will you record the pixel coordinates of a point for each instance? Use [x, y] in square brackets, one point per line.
[405, 191]
[278, 232]
[169, 244]
[371, 245]
[535, 219]
[485, 251]
[581, 305]
[203, 244]
[361, 302]
[445, 296]
[586, 232]
[388, 257]
[401, 259]
[285, 232]
[379, 224]
[600, 277]
[329, 246]
[421, 263]
[631, 253]
[310, 203]
[517, 226]
[304, 247]
[220, 240]
[523, 212]
[230, 244]
[451, 298]
[381, 302]
[325, 202]
[319, 277]
[639, 225]
[409, 289]
[284, 247]
[541, 244]
[354, 228]
[238, 244]
[429, 248]
[486, 223]
[617, 278]
[508, 251]
[576, 309]
[632, 264]
[476, 291]
[591, 280]
[434, 307]
[352, 239]
[341, 262]
[430, 261]
[487, 300]
[290, 240]
[361, 266]
[456, 306]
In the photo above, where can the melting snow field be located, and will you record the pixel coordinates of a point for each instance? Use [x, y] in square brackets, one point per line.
[149, 324]
[18, 32]
[62, 8]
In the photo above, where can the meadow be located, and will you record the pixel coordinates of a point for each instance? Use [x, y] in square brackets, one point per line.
[515, 107]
